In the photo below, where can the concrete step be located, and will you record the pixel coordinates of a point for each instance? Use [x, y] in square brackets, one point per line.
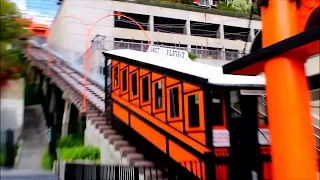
[124, 151]
[108, 132]
[133, 157]
[102, 128]
[116, 150]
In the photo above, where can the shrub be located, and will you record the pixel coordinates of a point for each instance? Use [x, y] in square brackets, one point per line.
[12, 64]
[225, 6]
[2, 158]
[173, 1]
[71, 140]
[3, 153]
[241, 5]
[47, 161]
[192, 55]
[190, 2]
[80, 153]
[218, 11]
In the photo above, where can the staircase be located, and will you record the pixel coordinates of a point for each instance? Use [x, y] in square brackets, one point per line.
[115, 150]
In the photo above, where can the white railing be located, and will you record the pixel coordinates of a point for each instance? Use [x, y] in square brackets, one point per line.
[200, 52]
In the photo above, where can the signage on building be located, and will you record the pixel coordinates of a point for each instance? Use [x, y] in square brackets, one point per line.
[167, 52]
[221, 138]
[253, 92]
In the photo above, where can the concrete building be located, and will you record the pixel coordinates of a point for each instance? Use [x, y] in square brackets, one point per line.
[208, 35]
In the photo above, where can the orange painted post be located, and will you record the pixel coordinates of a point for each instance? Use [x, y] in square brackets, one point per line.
[292, 143]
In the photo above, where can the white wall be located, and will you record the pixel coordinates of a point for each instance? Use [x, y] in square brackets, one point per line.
[12, 105]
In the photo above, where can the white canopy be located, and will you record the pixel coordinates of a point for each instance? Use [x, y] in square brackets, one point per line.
[213, 74]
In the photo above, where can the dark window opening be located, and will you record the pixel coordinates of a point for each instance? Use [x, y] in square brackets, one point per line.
[169, 25]
[158, 94]
[124, 80]
[134, 90]
[193, 106]
[217, 109]
[236, 33]
[174, 102]
[145, 89]
[122, 22]
[116, 73]
[204, 29]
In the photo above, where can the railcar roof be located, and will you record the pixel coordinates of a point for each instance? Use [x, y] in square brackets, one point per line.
[213, 74]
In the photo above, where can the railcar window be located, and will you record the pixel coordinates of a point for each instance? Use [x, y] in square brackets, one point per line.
[116, 73]
[134, 90]
[193, 106]
[217, 108]
[235, 104]
[124, 80]
[262, 107]
[158, 94]
[145, 89]
[174, 102]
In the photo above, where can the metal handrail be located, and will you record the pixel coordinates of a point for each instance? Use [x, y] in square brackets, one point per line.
[258, 128]
[236, 110]
[263, 114]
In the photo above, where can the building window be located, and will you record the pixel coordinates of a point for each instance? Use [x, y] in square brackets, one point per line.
[124, 75]
[193, 110]
[217, 108]
[116, 76]
[174, 102]
[145, 89]
[134, 80]
[158, 95]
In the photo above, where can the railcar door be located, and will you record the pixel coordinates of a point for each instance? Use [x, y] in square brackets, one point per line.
[243, 114]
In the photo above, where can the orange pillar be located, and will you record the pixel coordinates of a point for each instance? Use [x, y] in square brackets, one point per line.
[292, 143]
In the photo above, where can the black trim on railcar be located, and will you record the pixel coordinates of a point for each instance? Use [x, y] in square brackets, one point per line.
[168, 135]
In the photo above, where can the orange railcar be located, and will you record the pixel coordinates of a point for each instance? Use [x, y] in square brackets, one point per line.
[190, 114]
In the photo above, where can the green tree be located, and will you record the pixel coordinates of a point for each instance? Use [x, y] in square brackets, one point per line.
[241, 5]
[12, 28]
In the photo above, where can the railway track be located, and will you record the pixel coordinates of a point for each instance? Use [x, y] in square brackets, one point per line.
[70, 81]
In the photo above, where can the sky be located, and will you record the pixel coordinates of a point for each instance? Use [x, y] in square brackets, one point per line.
[42, 11]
